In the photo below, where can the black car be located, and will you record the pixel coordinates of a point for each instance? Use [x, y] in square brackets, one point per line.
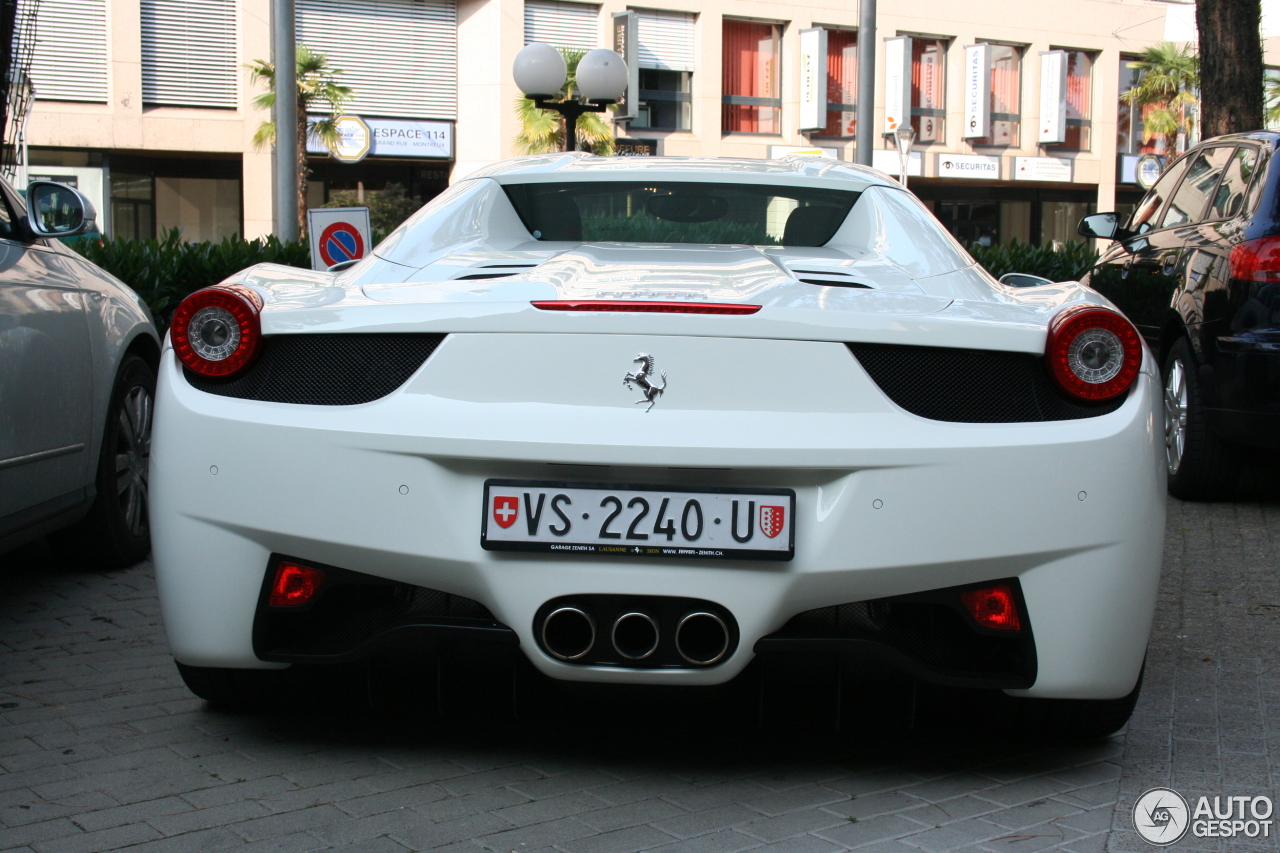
[1197, 270]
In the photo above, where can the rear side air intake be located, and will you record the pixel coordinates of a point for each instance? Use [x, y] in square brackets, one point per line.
[972, 386]
[325, 370]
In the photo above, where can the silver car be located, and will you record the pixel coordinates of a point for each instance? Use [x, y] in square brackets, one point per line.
[78, 355]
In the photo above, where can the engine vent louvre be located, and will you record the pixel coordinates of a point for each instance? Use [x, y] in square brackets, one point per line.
[972, 386]
[326, 370]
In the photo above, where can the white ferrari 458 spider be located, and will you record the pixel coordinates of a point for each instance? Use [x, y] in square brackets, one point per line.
[648, 421]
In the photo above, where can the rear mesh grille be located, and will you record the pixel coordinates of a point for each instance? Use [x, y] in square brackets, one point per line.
[326, 370]
[972, 386]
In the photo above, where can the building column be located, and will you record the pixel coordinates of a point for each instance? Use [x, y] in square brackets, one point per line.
[490, 34]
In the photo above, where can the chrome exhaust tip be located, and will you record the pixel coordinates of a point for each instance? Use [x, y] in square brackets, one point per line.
[568, 633]
[702, 638]
[635, 635]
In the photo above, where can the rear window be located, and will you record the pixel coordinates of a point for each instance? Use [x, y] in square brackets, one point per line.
[680, 212]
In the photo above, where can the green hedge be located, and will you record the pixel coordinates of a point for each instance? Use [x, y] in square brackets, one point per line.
[1067, 263]
[164, 271]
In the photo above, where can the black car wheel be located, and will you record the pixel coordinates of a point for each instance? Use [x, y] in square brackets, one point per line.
[1201, 466]
[116, 532]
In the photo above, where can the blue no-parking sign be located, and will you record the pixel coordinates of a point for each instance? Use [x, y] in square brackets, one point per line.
[338, 234]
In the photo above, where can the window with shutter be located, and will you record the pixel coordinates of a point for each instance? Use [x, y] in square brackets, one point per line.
[665, 50]
[570, 25]
[665, 39]
[189, 53]
[400, 56]
[69, 62]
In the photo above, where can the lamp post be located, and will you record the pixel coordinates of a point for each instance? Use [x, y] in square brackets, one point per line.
[285, 56]
[904, 137]
[540, 72]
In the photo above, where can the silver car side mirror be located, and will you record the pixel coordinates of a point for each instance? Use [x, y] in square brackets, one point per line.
[57, 210]
[1023, 279]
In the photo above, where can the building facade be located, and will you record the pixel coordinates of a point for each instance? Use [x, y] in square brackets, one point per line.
[149, 105]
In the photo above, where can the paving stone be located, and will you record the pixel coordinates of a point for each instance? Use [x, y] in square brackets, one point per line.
[707, 820]
[631, 814]
[627, 840]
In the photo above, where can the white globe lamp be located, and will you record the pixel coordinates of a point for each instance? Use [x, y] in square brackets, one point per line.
[540, 71]
[601, 76]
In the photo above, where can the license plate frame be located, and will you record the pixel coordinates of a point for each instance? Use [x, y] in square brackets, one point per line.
[580, 545]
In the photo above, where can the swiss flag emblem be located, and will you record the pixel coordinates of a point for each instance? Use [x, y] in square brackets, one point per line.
[506, 509]
[772, 520]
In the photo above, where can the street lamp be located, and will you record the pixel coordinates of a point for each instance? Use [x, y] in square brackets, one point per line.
[540, 72]
[904, 137]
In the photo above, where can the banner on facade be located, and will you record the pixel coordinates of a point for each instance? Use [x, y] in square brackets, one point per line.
[626, 43]
[977, 91]
[1053, 97]
[1057, 169]
[813, 79]
[931, 95]
[897, 82]
[890, 162]
[393, 137]
[338, 234]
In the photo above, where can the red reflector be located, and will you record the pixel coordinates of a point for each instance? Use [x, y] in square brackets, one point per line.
[632, 306]
[993, 607]
[294, 585]
[1256, 260]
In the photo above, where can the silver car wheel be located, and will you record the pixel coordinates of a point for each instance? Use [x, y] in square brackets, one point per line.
[1175, 415]
[133, 456]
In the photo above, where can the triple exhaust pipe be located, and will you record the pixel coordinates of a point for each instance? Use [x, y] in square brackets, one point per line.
[701, 638]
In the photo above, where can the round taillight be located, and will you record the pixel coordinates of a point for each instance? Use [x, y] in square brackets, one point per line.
[1093, 353]
[216, 331]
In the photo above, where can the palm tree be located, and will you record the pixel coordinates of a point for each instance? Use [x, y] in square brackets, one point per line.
[318, 89]
[542, 131]
[1170, 76]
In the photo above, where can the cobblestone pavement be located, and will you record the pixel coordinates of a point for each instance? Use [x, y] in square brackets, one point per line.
[103, 748]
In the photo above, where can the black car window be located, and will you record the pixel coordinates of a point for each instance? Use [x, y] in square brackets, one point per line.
[680, 212]
[1144, 216]
[1229, 198]
[1193, 194]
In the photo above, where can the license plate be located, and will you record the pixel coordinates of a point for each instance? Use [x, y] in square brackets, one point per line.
[638, 521]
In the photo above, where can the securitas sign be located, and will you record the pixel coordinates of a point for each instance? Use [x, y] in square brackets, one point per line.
[968, 166]
[408, 138]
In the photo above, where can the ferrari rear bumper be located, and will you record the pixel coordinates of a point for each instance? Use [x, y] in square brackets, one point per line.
[887, 505]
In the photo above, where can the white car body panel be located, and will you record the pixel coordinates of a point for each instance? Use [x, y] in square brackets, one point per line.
[888, 503]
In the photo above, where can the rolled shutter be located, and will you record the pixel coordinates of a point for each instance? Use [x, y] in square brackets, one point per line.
[189, 53]
[69, 62]
[665, 39]
[400, 56]
[570, 25]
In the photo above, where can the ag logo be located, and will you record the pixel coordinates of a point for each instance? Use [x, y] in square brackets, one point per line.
[1161, 816]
